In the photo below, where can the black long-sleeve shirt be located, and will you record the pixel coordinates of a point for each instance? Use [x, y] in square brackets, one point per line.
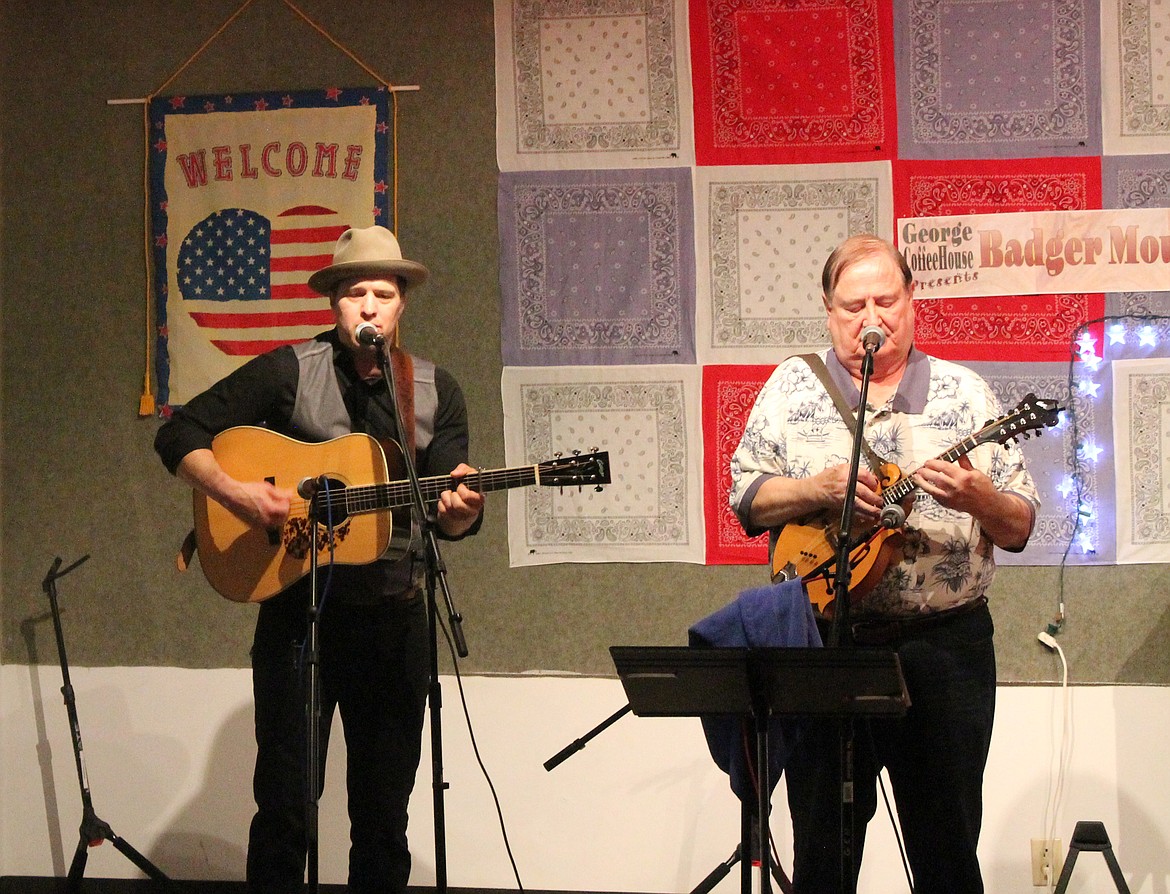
[263, 392]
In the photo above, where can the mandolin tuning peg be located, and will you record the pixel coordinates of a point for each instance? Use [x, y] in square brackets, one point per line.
[558, 454]
[599, 488]
[576, 453]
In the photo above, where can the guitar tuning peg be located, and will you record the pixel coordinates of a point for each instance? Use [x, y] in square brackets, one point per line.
[599, 488]
[576, 453]
[558, 454]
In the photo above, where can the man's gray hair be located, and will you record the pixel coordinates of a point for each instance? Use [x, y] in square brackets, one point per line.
[852, 250]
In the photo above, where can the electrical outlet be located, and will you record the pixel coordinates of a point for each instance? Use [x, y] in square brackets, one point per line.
[1045, 861]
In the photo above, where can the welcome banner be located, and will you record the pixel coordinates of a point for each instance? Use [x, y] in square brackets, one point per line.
[1038, 252]
[248, 196]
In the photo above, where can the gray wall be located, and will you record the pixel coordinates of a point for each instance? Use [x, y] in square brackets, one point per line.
[79, 473]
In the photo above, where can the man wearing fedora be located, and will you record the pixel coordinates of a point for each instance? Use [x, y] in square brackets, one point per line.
[374, 642]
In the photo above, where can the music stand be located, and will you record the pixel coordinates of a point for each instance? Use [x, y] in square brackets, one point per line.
[757, 684]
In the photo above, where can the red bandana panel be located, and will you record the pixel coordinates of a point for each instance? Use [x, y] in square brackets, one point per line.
[1020, 328]
[728, 395]
[793, 81]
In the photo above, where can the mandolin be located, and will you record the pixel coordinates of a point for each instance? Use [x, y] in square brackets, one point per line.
[807, 547]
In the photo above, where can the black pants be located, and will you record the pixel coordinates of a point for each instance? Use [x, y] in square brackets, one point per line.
[374, 667]
[935, 756]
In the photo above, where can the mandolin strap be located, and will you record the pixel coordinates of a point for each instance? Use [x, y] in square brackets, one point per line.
[817, 365]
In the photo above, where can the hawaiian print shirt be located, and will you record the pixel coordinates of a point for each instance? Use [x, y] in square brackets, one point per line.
[795, 431]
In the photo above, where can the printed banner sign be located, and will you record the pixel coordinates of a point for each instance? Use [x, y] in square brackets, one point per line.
[1037, 252]
[248, 196]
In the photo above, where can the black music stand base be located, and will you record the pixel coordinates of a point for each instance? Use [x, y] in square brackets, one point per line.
[1090, 836]
[748, 836]
[756, 685]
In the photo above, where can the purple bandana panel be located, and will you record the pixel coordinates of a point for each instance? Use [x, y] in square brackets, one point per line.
[597, 267]
[997, 78]
[1076, 511]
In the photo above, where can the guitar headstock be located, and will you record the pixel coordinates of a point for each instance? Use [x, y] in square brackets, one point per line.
[576, 470]
[1032, 414]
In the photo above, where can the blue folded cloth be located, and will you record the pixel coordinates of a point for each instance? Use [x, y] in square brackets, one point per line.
[772, 616]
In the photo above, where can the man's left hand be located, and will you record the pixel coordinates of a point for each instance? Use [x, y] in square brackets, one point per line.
[958, 485]
[1006, 518]
[459, 508]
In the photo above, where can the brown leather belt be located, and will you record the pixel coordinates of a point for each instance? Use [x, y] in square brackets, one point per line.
[880, 631]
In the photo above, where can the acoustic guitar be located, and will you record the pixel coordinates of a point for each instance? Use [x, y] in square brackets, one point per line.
[807, 547]
[355, 522]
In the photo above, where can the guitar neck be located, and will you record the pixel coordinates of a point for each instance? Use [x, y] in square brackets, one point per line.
[395, 494]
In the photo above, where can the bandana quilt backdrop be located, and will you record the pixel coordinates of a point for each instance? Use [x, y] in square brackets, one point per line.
[797, 123]
[248, 196]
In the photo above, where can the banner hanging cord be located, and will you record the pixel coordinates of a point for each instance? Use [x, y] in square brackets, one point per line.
[146, 403]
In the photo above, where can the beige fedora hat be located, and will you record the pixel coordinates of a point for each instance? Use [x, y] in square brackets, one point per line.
[367, 252]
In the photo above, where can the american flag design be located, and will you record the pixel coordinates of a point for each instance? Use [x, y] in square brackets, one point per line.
[248, 195]
[244, 278]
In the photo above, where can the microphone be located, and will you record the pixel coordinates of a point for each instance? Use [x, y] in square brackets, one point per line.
[872, 338]
[308, 488]
[367, 334]
[893, 516]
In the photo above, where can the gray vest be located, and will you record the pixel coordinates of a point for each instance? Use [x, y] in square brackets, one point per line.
[319, 414]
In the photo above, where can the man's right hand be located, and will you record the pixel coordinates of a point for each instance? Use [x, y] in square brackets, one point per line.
[257, 503]
[260, 504]
[833, 482]
[780, 500]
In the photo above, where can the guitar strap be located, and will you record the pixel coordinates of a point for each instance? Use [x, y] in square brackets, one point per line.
[817, 365]
[403, 366]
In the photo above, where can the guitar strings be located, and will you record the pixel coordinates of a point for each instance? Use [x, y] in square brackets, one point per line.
[397, 494]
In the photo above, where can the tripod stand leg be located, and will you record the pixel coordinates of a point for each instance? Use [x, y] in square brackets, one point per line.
[77, 867]
[716, 875]
[94, 831]
[138, 860]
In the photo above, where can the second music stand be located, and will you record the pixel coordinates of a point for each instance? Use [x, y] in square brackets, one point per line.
[757, 684]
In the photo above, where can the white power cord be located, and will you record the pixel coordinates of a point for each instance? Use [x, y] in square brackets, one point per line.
[1061, 754]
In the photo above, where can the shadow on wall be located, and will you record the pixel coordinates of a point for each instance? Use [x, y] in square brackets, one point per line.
[202, 840]
[1147, 660]
[28, 632]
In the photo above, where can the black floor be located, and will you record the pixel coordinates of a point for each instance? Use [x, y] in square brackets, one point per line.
[30, 885]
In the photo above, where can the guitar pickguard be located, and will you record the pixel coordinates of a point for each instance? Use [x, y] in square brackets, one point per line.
[297, 538]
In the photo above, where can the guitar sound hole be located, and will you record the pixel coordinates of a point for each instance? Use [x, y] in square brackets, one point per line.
[331, 508]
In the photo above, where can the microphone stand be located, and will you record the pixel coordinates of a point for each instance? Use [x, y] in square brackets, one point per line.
[436, 575]
[313, 768]
[841, 633]
[94, 830]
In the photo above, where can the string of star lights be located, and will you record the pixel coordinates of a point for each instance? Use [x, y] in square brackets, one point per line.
[1120, 329]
